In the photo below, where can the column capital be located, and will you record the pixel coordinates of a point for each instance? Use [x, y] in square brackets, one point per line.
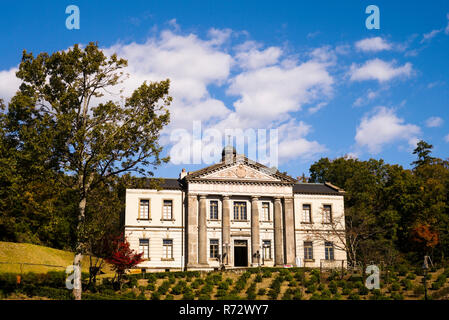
[254, 198]
[225, 197]
[289, 198]
[192, 194]
[277, 199]
[203, 196]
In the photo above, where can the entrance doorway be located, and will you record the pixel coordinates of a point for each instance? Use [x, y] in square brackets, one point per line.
[240, 253]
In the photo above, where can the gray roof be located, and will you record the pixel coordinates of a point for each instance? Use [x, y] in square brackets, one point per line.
[299, 188]
[317, 188]
[164, 183]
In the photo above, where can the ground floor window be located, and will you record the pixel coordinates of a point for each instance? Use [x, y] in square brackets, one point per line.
[144, 246]
[308, 250]
[266, 249]
[329, 251]
[168, 248]
[214, 248]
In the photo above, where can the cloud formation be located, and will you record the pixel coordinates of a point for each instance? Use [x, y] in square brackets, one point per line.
[374, 44]
[383, 127]
[434, 122]
[377, 69]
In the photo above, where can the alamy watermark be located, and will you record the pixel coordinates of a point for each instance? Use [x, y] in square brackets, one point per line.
[72, 280]
[73, 20]
[373, 280]
[373, 20]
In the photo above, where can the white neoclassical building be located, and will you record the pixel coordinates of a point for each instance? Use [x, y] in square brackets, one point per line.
[236, 213]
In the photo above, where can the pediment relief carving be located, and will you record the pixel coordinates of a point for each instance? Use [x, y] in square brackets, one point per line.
[240, 172]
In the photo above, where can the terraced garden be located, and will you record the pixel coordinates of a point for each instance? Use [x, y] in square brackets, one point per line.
[250, 284]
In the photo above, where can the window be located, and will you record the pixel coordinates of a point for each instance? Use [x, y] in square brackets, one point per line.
[306, 213]
[144, 246]
[168, 248]
[167, 212]
[214, 210]
[144, 209]
[265, 211]
[240, 211]
[329, 251]
[214, 248]
[327, 213]
[308, 250]
[266, 249]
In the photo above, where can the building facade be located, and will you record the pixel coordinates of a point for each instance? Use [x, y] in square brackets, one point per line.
[236, 213]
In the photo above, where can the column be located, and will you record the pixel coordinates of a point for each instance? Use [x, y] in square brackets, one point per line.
[255, 235]
[226, 229]
[192, 230]
[289, 230]
[202, 232]
[278, 234]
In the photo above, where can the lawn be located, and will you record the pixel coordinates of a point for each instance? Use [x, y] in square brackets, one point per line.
[16, 253]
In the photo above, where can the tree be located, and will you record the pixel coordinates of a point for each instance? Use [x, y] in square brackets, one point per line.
[123, 258]
[425, 236]
[423, 151]
[59, 107]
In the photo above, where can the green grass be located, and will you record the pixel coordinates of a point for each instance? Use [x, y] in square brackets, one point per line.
[29, 253]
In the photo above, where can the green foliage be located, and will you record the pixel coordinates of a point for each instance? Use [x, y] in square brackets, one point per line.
[354, 296]
[261, 292]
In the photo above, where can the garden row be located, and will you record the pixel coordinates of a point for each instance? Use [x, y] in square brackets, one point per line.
[254, 283]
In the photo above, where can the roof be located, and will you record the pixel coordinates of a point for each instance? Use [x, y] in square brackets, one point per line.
[164, 183]
[317, 188]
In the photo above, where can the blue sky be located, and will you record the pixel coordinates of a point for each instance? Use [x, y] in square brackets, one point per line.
[311, 70]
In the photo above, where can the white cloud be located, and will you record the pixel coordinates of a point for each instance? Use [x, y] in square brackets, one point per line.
[293, 143]
[318, 107]
[192, 64]
[379, 70]
[374, 44]
[9, 84]
[434, 122]
[277, 90]
[384, 127]
[429, 36]
[252, 58]
[446, 138]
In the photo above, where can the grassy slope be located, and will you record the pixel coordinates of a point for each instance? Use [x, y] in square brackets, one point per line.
[30, 253]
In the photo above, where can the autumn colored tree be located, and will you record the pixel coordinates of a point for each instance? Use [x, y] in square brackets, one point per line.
[425, 236]
[123, 257]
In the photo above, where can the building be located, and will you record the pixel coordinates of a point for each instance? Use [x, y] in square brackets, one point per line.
[236, 213]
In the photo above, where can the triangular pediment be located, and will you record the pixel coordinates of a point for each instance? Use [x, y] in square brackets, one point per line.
[241, 172]
[241, 169]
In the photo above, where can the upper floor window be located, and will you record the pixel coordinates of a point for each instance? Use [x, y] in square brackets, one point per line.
[265, 211]
[327, 213]
[214, 248]
[167, 212]
[144, 247]
[308, 250]
[144, 209]
[214, 210]
[240, 210]
[168, 248]
[329, 251]
[306, 213]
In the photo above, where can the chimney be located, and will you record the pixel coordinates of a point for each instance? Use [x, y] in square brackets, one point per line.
[183, 173]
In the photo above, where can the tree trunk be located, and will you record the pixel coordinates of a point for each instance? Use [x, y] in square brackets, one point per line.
[77, 285]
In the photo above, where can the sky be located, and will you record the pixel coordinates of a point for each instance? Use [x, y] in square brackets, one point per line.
[309, 71]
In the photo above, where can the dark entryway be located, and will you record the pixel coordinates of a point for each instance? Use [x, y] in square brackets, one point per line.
[240, 253]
